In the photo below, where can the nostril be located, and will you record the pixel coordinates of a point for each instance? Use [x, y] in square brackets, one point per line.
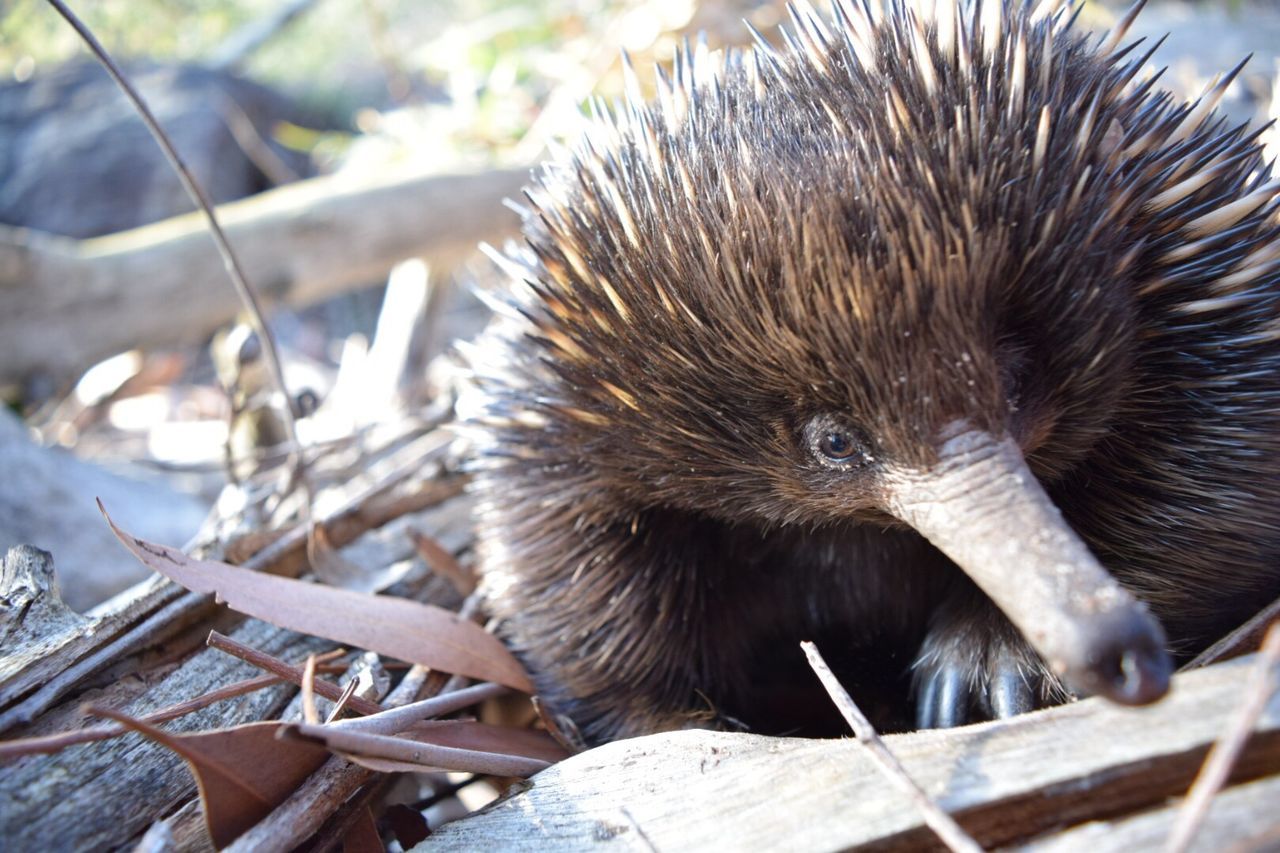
[1143, 676]
[1127, 661]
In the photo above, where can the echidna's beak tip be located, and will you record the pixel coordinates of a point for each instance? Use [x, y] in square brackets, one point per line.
[1128, 664]
[1145, 677]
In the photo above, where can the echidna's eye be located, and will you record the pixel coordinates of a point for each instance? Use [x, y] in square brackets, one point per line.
[837, 445]
[835, 442]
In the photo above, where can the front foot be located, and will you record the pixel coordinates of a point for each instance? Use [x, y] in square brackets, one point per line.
[975, 666]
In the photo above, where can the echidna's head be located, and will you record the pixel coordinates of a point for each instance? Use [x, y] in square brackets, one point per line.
[874, 278]
[812, 267]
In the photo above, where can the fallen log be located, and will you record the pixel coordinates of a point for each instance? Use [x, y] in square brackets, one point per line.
[1007, 783]
[66, 304]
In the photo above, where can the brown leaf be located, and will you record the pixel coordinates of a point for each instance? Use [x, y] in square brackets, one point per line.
[243, 772]
[393, 754]
[409, 826]
[482, 737]
[363, 836]
[442, 562]
[396, 627]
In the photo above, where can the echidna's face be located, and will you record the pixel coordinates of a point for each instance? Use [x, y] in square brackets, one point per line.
[758, 309]
[799, 417]
[890, 274]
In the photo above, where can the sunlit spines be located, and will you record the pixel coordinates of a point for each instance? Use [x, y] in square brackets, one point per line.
[1116, 36]
[1207, 102]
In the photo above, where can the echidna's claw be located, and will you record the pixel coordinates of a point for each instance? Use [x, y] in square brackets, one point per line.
[974, 666]
[1009, 693]
[944, 699]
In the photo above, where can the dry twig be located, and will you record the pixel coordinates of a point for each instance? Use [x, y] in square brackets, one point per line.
[309, 712]
[247, 295]
[292, 674]
[1243, 640]
[1224, 754]
[938, 820]
[60, 741]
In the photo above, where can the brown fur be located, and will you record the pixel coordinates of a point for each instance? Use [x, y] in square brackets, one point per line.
[905, 227]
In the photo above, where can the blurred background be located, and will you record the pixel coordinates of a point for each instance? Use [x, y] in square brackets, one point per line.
[362, 149]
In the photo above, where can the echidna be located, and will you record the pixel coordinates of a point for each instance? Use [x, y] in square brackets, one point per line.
[894, 339]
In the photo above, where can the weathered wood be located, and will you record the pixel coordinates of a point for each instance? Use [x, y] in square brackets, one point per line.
[1005, 781]
[1232, 824]
[105, 794]
[32, 615]
[29, 686]
[101, 795]
[33, 681]
[66, 304]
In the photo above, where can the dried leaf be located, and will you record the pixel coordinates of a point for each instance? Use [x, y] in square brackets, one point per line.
[409, 826]
[482, 737]
[408, 630]
[442, 562]
[243, 773]
[394, 754]
[363, 836]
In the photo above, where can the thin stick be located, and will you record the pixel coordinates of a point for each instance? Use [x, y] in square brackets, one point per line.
[935, 818]
[1247, 638]
[62, 740]
[309, 712]
[341, 704]
[395, 720]
[428, 756]
[293, 674]
[229, 259]
[1226, 751]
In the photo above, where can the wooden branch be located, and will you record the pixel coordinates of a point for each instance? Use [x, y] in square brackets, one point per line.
[1232, 825]
[1005, 781]
[66, 304]
[240, 46]
[934, 817]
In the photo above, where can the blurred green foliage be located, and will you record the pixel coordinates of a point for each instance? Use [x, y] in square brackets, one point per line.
[480, 71]
[31, 30]
[492, 62]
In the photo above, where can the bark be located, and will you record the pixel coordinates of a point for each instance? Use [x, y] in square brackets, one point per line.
[1006, 782]
[148, 654]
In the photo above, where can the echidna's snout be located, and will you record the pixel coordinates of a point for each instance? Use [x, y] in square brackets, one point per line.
[1126, 660]
[982, 507]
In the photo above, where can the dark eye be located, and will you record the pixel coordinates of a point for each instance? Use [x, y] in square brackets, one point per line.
[836, 443]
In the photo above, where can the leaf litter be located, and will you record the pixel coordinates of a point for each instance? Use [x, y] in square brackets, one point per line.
[244, 772]
[396, 627]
